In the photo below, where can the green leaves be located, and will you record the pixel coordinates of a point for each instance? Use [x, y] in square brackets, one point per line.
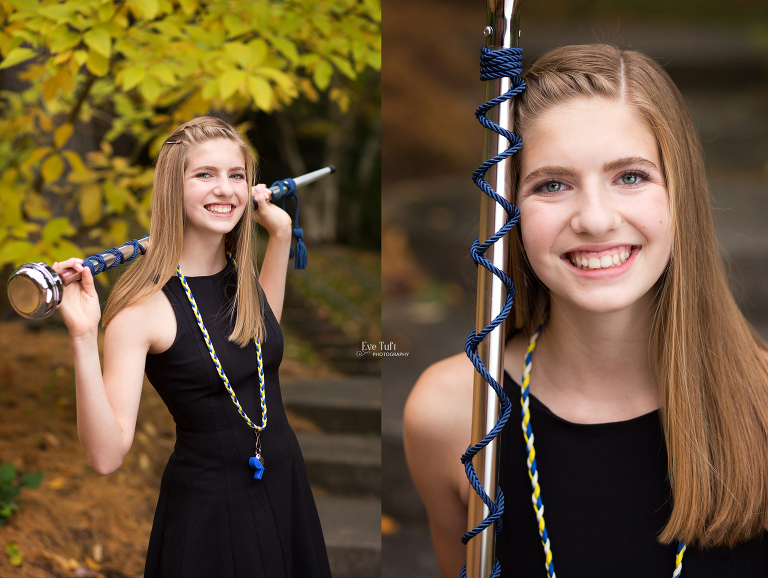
[10, 487]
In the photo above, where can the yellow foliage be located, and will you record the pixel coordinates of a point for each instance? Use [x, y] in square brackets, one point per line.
[90, 204]
[230, 81]
[52, 167]
[75, 162]
[61, 135]
[97, 63]
[99, 41]
[62, 38]
[261, 92]
[321, 75]
[131, 76]
[150, 88]
[138, 68]
[37, 207]
[17, 56]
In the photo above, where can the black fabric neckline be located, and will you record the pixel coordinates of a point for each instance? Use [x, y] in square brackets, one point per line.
[215, 275]
[655, 415]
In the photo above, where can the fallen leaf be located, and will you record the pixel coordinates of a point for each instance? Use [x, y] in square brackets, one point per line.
[388, 525]
[92, 564]
[14, 554]
[57, 483]
[52, 439]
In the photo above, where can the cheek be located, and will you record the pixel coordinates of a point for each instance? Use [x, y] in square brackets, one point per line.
[655, 222]
[539, 229]
[539, 226]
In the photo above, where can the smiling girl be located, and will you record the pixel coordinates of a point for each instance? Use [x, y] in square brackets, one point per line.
[648, 389]
[204, 326]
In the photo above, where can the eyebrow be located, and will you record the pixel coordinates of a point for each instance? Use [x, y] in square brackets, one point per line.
[550, 170]
[214, 169]
[553, 170]
[619, 163]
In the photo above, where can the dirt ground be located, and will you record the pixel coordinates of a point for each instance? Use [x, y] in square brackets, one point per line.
[77, 523]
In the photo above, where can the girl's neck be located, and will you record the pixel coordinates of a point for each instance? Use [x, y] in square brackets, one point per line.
[202, 257]
[593, 368]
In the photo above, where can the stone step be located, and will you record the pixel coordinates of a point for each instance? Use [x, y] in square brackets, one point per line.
[341, 404]
[343, 463]
[352, 530]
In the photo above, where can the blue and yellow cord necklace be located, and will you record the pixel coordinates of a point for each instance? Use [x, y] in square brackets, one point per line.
[257, 461]
[533, 472]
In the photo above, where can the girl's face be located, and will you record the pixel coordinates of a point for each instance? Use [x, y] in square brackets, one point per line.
[215, 187]
[594, 209]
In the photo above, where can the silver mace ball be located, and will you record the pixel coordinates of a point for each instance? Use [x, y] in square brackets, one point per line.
[35, 290]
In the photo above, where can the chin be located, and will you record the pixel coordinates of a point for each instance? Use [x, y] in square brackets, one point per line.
[604, 303]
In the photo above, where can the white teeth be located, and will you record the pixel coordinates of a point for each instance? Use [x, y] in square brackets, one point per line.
[219, 208]
[579, 259]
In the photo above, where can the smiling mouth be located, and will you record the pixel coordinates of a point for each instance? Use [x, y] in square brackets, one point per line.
[594, 260]
[219, 209]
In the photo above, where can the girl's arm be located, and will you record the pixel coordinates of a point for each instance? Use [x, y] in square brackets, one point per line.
[275, 266]
[437, 424]
[107, 405]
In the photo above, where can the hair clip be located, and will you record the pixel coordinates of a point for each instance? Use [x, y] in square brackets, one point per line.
[173, 142]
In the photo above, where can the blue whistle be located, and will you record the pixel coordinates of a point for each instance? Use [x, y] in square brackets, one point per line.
[254, 463]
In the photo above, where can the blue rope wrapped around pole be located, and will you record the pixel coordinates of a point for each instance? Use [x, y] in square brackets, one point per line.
[500, 63]
[97, 264]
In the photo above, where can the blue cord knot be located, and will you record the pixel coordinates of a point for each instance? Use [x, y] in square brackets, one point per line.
[286, 187]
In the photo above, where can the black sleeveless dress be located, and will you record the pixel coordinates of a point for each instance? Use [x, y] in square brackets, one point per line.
[606, 499]
[213, 519]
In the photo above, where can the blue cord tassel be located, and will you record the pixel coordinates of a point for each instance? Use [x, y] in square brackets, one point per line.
[301, 250]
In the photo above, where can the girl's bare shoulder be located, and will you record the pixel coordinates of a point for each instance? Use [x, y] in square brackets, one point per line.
[437, 421]
[149, 321]
[444, 391]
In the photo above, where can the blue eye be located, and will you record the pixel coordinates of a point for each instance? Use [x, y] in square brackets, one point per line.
[549, 187]
[202, 175]
[633, 178]
[238, 176]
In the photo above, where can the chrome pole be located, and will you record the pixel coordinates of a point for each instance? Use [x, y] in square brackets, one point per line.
[502, 31]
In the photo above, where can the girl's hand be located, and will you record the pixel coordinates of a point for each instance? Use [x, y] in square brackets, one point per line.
[276, 221]
[80, 308]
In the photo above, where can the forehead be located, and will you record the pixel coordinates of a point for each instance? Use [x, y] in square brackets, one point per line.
[220, 152]
[589, 128]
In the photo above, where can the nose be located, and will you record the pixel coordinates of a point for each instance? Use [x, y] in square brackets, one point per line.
[595, 213]
[224, 187]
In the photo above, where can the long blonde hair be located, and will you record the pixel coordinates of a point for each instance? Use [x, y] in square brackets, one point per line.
[148, 274]
[710, 365]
